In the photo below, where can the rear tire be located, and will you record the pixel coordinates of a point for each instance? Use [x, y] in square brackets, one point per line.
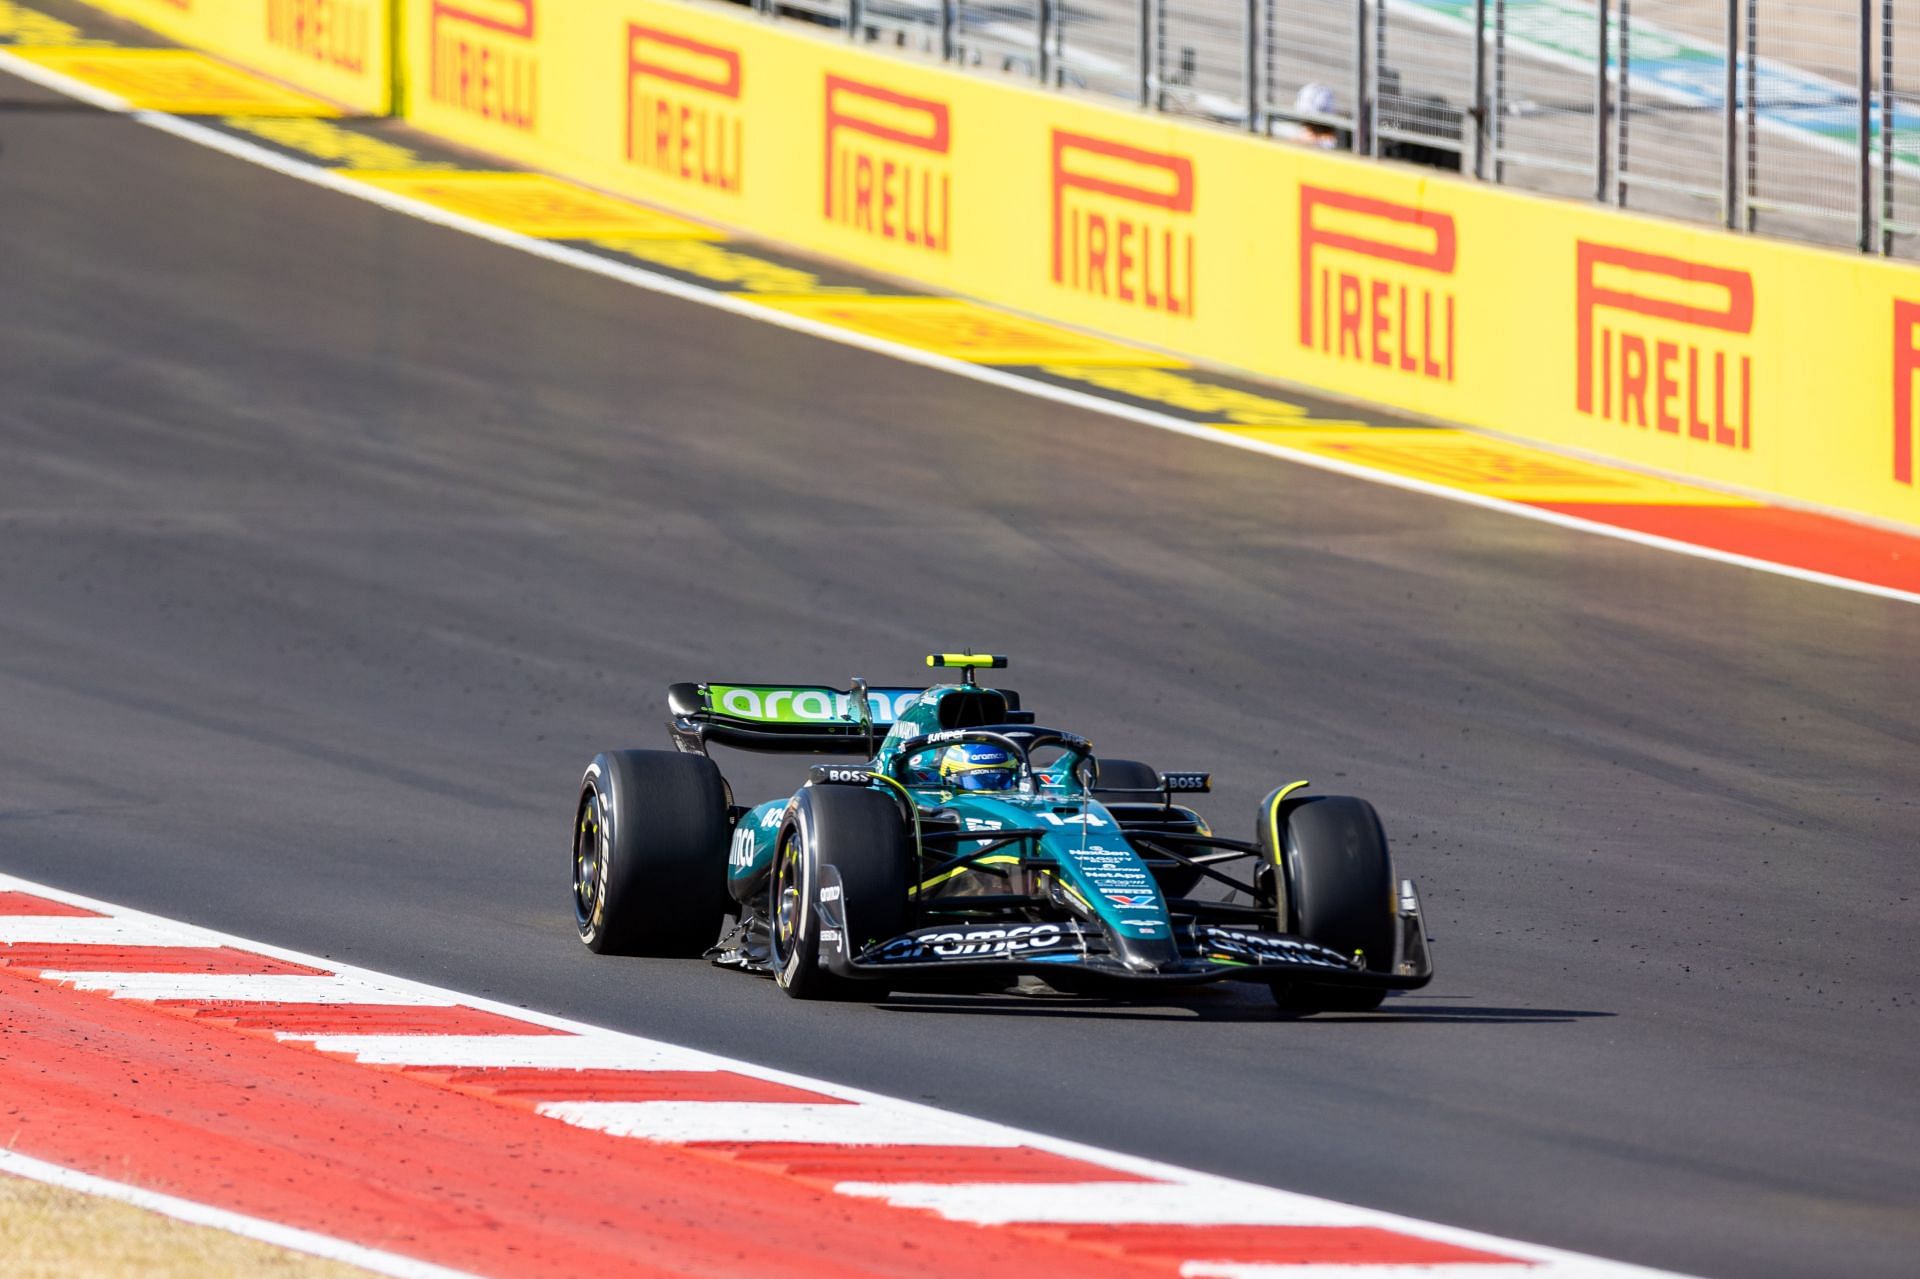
[650, 836]
[1339, 885]
[860, 835]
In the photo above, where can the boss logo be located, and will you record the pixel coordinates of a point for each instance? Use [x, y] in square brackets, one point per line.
[834, 775]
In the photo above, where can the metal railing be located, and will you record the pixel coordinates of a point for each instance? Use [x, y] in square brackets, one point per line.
[1798, 118]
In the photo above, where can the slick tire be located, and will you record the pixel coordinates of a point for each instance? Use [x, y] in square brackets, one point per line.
[1339, 885]
[861, 835]
[650, 838]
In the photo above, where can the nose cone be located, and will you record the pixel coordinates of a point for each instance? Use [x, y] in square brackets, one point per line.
[1144, 954]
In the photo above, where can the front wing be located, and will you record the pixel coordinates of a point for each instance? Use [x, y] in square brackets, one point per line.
[961, 951]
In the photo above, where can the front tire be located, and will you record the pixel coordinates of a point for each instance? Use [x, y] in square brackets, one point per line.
[860, 835]
[1338, 892]
[650, 838]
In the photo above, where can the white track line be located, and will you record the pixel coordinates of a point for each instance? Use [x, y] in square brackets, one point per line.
[873, 1117]
[870, 1123]
[319, 176]
[551, 1052]
[64, 930]
[1444, 1270]
[242, 988]
[353, 1254]
[1092, 1203]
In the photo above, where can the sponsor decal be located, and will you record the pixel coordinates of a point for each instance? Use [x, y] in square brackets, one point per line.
[330, 31]
[772, 818]
[1375, 283]
[1188, 783]
[984, 823]
[1122, 222]
[1119, 876]
[801, 705]
[740, 852]
[838, 775]
[1262, 948]
[887, 170]
[974, 941]
[1906, 364]
[481, 60]
[683, 108]
[831, 893]
[1659, 344]
[1075, 819]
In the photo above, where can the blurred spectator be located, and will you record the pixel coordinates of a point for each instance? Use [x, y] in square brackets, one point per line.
[1313, 109]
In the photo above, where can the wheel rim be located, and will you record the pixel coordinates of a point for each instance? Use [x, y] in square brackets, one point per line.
[786, 901]
[589, 844]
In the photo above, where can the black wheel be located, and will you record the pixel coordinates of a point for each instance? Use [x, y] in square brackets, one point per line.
[1125, 781]
[650, 853]
[860, 834]
[1336, 881]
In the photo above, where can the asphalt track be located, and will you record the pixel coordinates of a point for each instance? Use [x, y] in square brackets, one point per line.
[334, 544]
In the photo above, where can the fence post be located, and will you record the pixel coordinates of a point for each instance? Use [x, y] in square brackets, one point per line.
[1361, 58]
[1886, 128]
[1479, 112]
[1253, 66]
[1730, 121]
[949, 19]
[856, 18]
[1600, 104]
[1499, 90]
[1753, 107]
[1160, 55]
[1866, 126]
[1146, 52]
[1623, 95]
[1043, 49]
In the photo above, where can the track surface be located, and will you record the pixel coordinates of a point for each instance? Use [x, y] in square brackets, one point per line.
[335, 543]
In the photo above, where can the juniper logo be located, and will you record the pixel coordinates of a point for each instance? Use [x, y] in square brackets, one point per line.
[481, 59]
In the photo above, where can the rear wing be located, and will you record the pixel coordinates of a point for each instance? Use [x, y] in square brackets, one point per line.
[795, 718]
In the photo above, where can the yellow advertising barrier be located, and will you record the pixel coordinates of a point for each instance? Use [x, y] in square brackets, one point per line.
[338, 49]
[1739, 361]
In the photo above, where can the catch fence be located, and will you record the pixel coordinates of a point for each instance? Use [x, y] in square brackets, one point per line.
[1798, 118]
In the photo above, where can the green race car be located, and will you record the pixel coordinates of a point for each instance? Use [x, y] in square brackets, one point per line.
[961, 846]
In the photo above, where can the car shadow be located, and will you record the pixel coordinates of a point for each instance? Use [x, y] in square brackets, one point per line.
[1397, 1011]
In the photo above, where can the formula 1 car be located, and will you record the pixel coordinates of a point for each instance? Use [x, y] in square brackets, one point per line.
[962, 846]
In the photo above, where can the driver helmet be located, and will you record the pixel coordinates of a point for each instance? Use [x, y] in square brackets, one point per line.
[978, 766]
